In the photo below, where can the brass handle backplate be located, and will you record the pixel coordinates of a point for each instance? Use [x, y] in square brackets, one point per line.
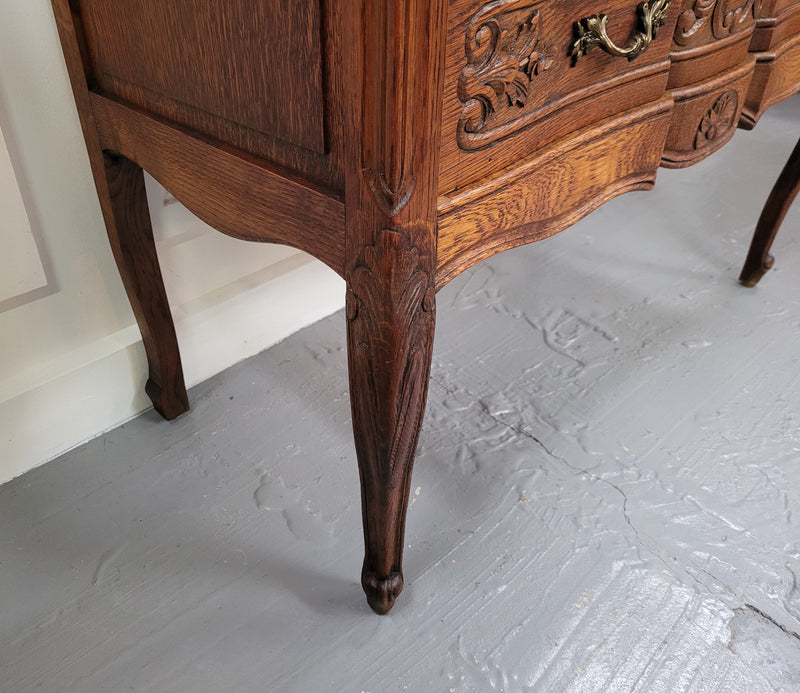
[592, 32]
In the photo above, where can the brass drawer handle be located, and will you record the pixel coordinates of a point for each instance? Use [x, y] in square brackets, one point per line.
[592, 32]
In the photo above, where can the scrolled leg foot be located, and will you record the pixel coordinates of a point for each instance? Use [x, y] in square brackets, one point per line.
[381, 591]
[751, 275]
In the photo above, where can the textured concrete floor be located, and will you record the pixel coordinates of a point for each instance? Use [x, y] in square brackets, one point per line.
[605, 498]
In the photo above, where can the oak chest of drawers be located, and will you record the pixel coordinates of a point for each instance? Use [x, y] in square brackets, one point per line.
[400, 142]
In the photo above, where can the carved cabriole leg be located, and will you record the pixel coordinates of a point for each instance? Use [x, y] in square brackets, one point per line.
[391, 318]
[759, 260]
[390, 210]
[131, 237]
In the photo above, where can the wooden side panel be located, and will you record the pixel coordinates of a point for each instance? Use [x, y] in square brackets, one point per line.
[257, 63]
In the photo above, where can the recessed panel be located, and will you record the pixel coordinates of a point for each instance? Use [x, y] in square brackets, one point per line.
[253, 63]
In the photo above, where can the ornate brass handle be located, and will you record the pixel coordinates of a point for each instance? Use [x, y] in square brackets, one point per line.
[592, 32]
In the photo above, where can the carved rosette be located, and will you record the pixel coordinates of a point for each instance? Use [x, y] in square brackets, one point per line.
[710, 20]
[718, 121]
[505, 49]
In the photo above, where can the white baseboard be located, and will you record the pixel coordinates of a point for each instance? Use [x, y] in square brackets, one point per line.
[86, 392]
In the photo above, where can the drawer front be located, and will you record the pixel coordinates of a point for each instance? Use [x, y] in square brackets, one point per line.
[513, 86]
[712, 36]
[775, 78]
[709, 22]
[776, 45]
[709, 77]
[776, 22]
[765, 9]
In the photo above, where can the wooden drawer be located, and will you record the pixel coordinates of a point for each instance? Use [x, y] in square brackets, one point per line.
[512, 86]
[705, 116]
[777, 53]
[709, 77]
[776, 22]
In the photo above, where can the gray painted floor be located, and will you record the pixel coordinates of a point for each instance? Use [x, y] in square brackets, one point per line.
[606, 494]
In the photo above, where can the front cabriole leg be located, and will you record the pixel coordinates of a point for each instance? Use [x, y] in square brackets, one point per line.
[390, 325]
[395, 67]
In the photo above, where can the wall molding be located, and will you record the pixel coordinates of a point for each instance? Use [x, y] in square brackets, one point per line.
[24, 268]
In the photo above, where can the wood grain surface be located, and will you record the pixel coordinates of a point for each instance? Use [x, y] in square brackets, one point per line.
[549, 192]
[535, 107]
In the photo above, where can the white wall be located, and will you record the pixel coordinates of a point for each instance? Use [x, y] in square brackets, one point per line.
[71, 360]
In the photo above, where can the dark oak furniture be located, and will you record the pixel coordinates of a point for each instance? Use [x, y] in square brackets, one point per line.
[400, 142]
